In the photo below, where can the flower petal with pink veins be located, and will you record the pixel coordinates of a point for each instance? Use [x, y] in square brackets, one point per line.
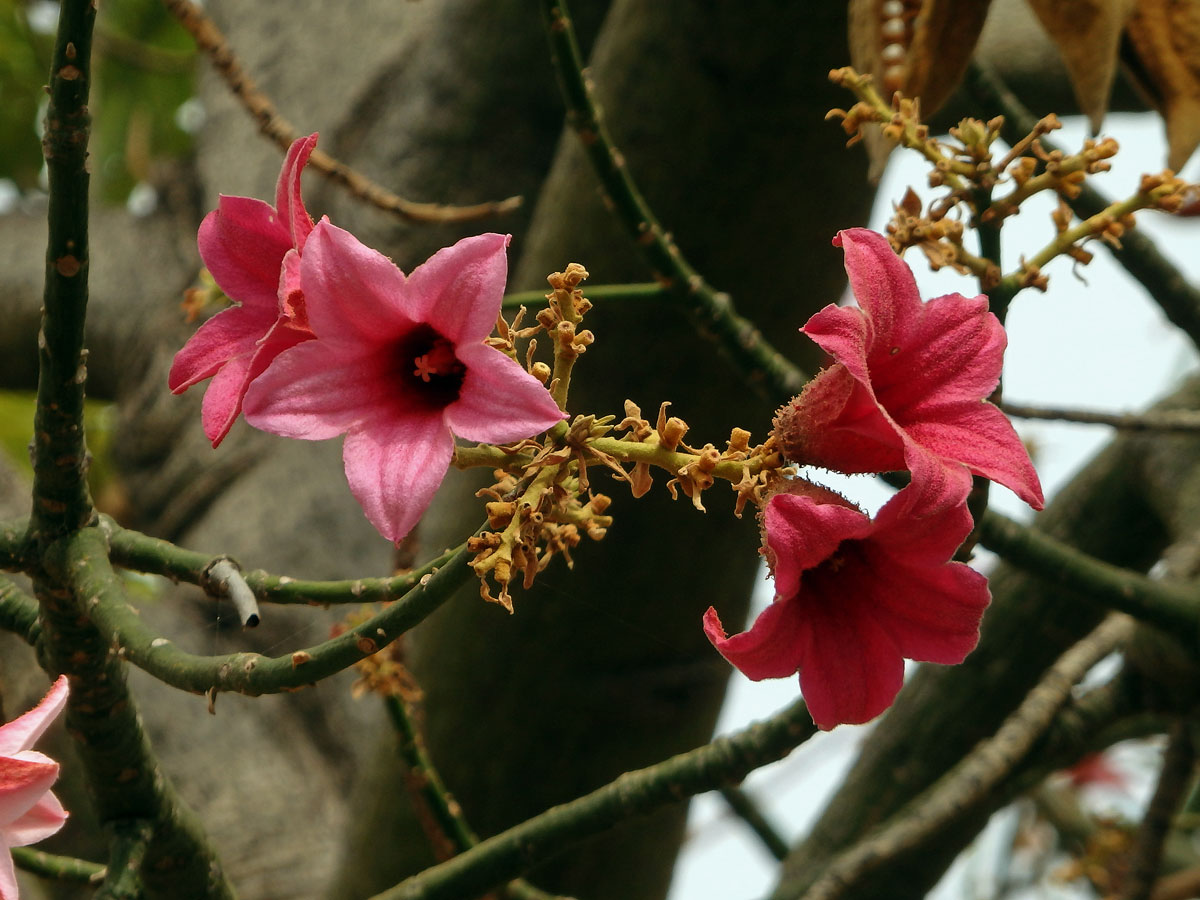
[352, 294]
[771, 649]
[22, 783]
[320, 389]
[43, 819]
[851, 669]
[395, 467]
[802, 533]
[881, 282]
[499, 401]
[458, 290]
[230, 334]
[242, 243]
[21, 733]
[288, 202]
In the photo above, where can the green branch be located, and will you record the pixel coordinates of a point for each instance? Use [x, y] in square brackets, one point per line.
[123, 775]
[61, 502]
[134, 550]
[15, 550]
[1171, 606]
[713, 312]
[425, 783]
[18, 612]
[57, 868]
[496, 860]
[244, 673]
[1169, 288]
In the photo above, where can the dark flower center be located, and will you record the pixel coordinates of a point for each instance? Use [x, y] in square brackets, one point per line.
[428, 367]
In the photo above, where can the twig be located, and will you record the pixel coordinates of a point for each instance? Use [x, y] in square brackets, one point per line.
[210, 39]
[978, 772]
[748, 811]
[1172, 420]
[59, 868]
[134, 550]
[453, 833]
[768, 370]
[499, 858]
[1170, 289]
[123, 879]
[1170, 605]
[1173, 781]
[84, 562]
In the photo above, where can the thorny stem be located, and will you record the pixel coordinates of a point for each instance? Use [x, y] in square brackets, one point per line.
[210, 39]
[770, 372]
[499, 858]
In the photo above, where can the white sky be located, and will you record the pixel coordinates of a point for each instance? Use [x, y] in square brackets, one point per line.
[1099, 344]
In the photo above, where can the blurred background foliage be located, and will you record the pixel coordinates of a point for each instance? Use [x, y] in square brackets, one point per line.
[144, 83]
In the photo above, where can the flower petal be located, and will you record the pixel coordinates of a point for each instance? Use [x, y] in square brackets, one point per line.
[852, 669]
[458, 290]
[395, 466]
[22, 732]
[23, 780]
[499, 401]
[772, 647]
[352, 294]
[319, 389]
[43, 819]
[802, 533]
[242, 242]
[881, 281]
[288, 202]
[229, 334]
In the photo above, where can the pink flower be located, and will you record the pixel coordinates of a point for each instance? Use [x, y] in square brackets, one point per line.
[251, 248]
[28, 811]
[399, 366]
[910, 377]
[855, 597]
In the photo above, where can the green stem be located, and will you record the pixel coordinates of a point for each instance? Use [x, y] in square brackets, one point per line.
[126, 784]
[61, 502]
[1170, 289]
[244, 673]
[712, 310]
[427, 787]
[497, 859]
[638, 291]
[19, 612]
[58, 868]
[129, 845]
[15, 546]
[1171, 606]
[133, 550]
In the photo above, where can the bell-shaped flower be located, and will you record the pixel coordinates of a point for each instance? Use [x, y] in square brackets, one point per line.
[855, 597]
[251, 249]
[399, 366]
[29, 812]
[908, 376]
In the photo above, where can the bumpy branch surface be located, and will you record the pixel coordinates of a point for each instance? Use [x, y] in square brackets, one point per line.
[247, 673]
[769, 371]
[980, 771]
[1172, 606]
[18, 612]
[210, 39]
[58, 868]
[60, 494]
[499, 858]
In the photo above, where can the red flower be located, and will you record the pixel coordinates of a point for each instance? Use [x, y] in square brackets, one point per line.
[252, 250]
[855, 597]
[910, 378]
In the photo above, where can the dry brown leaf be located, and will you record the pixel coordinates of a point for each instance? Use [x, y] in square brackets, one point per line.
[1088, 34]
[918, 47]
[1165, 37]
